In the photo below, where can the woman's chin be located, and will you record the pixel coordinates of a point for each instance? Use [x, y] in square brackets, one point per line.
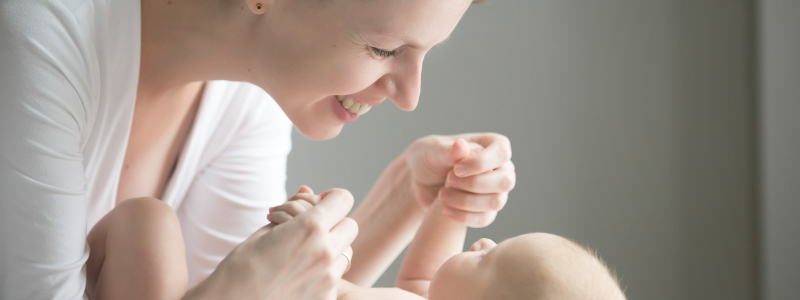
[320, 133]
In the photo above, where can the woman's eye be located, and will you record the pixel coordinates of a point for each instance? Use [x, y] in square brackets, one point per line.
[383, 53]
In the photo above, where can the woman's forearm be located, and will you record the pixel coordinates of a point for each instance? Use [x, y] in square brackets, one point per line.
[438, 239]
[388, 218]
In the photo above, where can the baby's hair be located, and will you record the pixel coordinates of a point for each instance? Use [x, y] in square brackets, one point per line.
[593, 253]
[553, 267]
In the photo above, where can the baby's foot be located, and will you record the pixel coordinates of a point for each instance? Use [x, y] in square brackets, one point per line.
[294, 206]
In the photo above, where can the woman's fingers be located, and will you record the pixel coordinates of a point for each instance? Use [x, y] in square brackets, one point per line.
[331, 209]
[471, 219]
[303, 256]
[472, 202]
[496, 152]
[343, 262]
[499, 180]
[343, 234]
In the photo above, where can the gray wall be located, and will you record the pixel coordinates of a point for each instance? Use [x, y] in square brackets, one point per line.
[631, 124]
[779, 58]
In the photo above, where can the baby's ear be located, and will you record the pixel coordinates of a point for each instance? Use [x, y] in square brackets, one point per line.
[483, 245]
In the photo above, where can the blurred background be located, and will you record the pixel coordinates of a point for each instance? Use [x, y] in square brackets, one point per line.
[665, 134]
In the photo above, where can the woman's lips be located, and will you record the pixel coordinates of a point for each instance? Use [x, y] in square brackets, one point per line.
[341, 112]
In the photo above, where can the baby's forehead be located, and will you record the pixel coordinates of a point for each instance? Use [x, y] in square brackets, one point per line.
[538, 248]
[543, 261]
[541, 242]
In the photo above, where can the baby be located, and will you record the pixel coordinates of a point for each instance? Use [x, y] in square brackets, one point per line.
[529, 266]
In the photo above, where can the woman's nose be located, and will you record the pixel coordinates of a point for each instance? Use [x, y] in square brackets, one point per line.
[403, 85]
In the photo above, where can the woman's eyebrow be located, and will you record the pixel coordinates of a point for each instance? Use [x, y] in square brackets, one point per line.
[409, 43]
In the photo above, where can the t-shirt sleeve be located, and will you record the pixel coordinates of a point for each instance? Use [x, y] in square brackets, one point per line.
[230, 196]
[42, 184]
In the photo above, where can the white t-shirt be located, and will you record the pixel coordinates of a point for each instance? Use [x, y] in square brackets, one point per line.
[68, 77]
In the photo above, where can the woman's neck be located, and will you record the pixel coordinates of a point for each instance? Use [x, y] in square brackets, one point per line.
[185, 41]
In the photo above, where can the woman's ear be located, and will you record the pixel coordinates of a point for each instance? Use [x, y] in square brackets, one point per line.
[258, 7]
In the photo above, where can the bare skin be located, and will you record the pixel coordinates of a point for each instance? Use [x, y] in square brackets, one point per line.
[531, 266]
[138, 253]
[161, 124]
[142, 238]
[303, 53]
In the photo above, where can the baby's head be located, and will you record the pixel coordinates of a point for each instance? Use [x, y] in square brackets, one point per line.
[530, 266]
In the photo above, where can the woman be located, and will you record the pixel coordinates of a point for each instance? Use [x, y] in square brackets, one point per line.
[104, 101]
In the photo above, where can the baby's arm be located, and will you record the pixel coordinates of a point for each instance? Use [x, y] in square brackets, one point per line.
[438, 239]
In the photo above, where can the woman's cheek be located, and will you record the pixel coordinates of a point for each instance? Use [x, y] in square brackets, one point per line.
[360, 75]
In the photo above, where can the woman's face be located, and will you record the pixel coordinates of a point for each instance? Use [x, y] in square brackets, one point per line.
[308, 52]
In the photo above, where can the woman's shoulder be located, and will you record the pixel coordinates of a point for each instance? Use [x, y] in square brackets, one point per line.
[39, 20]
[75, 52]
[41, 55]
[42, 40]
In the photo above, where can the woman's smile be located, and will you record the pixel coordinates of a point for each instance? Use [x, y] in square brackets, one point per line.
[343, 113]
[310, 52]
[348, 107]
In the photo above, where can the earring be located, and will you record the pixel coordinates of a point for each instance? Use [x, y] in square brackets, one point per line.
[258, 5]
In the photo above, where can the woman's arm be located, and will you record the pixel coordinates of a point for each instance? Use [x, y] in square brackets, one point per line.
[438, 239]
[44, 89]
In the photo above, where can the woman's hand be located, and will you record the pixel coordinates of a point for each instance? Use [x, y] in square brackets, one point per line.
[293, 260]
[298, 204]
[471, 174]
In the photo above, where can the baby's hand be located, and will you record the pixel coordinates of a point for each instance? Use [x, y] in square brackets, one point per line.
[296, 205]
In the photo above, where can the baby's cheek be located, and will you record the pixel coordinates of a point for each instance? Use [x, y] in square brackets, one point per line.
[457, 278]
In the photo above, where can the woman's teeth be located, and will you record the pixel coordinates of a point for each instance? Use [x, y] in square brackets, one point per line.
[350, 104]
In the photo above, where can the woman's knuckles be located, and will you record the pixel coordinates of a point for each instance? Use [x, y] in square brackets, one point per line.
[325, 256]
[497, 201]
[479, 220]
[507, 183]
[314, 227]
[329, 281]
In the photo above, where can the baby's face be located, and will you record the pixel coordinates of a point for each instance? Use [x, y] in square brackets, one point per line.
[529, 266]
